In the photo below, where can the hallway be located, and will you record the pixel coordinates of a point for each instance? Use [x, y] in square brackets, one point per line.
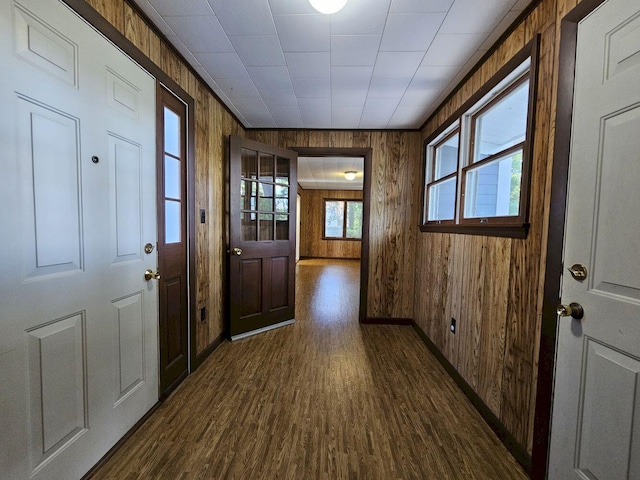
[324, 398]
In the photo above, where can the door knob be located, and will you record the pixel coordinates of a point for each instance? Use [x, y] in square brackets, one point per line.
[573, 310]
[237, 251]
[149, 274]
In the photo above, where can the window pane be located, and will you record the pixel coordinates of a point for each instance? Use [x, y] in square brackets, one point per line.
[171, 177]
[266, 227]
[249, 229]
[266, 198]
[493, 189]
[334, 219]
[171, 221]
[442, 200]
[248, 193]
[503, 125]
[446, 158]
[282, 199]
[354, 220]
[282, 171]
[266, 167]
[282, 227]
[249, 163]
[171, 132]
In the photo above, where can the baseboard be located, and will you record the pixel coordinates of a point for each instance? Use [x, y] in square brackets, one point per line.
[328, 258]
[107, 456]
[202, 356]
[387, 321]
[515, 448]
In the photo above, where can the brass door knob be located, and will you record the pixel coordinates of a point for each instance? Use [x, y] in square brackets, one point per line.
[237, 251]
[573, 310]
[150, 274]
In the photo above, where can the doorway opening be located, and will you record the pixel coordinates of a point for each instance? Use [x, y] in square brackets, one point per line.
[334, 213]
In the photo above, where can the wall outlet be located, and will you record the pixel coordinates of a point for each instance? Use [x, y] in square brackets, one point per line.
[453, 326]
[203, 314]
[203, 215]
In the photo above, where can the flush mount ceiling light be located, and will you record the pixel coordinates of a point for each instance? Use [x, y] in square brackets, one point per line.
[328, 6]
[350, 175]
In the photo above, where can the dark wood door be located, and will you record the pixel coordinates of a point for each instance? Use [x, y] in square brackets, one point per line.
[262, 234]
[172, 240]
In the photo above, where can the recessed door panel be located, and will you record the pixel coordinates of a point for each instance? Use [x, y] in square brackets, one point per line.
[51, 184]
[126, 193]
[279, 282]
[130, 327]
[251, 287]
[57, 373]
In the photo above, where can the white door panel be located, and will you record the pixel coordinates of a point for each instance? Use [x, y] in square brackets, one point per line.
[78, 350]
[596, 414]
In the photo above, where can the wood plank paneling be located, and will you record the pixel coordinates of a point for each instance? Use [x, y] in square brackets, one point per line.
[311, 225]
[501, 305]
[394, 207]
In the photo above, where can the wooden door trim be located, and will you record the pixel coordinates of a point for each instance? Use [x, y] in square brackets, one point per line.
[555, 239]
[367, 154]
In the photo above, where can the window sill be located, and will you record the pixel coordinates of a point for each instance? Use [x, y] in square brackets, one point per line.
[509, 231]
[343, 239]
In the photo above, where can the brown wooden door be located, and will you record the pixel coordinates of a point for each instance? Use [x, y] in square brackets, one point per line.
[262, 234]
[172, 240]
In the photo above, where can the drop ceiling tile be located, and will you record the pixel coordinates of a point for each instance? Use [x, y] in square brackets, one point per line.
[351, 77]
[250, 106]
[184, 7]
[465, 16]
[184, 51]
[222, 65]
[270, 78]
[200, 33]
[280, 97]
[316, 112]
[309, 64]
[452, 49]
[303, 33]
[406, 118]
[260, 120]
[377, 112]
[407, 32]
[397, 64]
[291, 6]
[360, 17]
[155, 17]
[312, 87]
[506, 21]
[237, 87]
[345, 116]
[428, 78]
[258, 51]
[244, 17]
[520, 5]
[286, 116]
[416, 97]
[349, 97]
[388, 87]
[353, 50]
[420, 6]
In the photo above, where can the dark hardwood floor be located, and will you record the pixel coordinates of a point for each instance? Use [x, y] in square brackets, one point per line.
[324, 398]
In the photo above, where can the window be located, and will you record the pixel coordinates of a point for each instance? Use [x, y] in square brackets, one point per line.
[477, 165]
[342, 219]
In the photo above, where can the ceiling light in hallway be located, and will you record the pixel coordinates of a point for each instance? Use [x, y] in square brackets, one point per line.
[328, 6]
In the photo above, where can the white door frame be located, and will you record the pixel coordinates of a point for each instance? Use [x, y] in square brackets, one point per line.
[553, 273]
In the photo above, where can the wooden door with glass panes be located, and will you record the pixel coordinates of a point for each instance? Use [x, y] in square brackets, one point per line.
[262, 234]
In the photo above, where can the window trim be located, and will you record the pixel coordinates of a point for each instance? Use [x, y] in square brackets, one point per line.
[513, 227]
[344, 219]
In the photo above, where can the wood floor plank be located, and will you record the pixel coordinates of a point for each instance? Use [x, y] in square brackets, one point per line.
[324, 398]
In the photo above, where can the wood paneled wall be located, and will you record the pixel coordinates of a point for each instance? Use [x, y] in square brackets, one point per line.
[213, 125]
[494, 286]
[311, 225]
[394, 207]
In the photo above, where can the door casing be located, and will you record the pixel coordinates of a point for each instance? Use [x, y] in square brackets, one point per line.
[555, 240]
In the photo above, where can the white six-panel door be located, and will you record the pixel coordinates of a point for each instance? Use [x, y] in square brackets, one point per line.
[596, 414]
[78, 322]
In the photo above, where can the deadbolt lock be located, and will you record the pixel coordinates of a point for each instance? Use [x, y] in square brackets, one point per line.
[578, 271]
[148, 248]
[237, 251]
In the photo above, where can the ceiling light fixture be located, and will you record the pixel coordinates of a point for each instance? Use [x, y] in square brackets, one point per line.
[328, 6]
[350, 175]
